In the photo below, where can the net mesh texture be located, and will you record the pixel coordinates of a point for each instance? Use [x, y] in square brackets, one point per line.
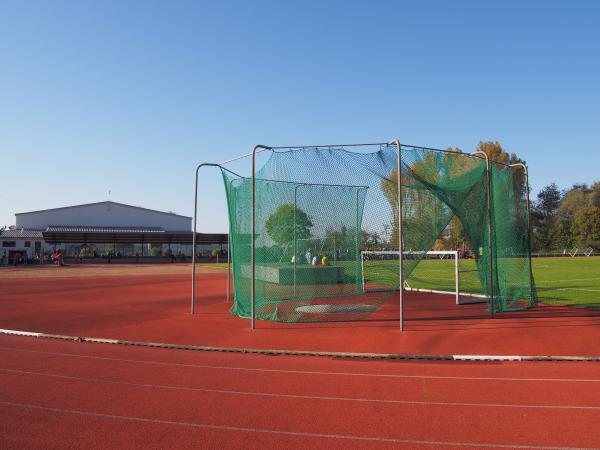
[317, 208]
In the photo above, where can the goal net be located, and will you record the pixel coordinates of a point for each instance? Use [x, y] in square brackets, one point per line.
[438, 272]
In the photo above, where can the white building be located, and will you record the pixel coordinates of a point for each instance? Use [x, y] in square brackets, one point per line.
[103, 214]
[100, 228]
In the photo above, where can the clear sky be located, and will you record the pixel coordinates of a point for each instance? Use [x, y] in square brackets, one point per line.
[127, 97]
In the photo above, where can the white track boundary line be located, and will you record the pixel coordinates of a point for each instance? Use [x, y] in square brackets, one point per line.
[277, 432]
[394, 356]
[300, 396]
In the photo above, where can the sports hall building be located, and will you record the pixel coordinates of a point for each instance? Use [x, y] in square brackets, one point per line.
[97, 231]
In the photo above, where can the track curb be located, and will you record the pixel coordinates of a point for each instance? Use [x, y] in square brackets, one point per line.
[353, 355]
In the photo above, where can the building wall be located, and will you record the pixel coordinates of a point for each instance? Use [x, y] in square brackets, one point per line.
[104, 214]
[5, 252]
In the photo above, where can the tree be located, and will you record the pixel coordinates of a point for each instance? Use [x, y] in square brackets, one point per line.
[370, 241]
[543, 215]
[586, 227]
[496, 153]
[457, 233]
[595, 194]
[578, 197]
[548, 200]
[280, 225]
[560, 233]
[215, 254]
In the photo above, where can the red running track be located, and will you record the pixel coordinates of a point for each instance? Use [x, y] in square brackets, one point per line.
[156, 308]
[61, 394]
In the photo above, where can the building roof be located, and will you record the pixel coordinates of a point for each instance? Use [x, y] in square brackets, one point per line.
[84, 229]
[21, 234]
[108, 202]
[114, 235]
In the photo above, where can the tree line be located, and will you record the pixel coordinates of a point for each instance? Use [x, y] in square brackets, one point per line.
[566, 219]
[560, 219]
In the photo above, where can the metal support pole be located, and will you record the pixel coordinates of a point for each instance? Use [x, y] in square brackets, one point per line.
[295, 243]
[195, 228]
[489, 213]
[253, 229]
[526, 172]
[228, 264]
[358, 230]
[400, 240]
[457, 277]
[194, 241]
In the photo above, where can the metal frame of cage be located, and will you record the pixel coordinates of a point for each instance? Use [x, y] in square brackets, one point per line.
[395, 142]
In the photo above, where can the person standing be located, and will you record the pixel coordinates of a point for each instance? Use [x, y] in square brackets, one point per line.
[58, 258]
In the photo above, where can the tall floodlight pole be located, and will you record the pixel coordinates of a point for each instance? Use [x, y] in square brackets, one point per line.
[529, 243]
[253, 228]
[489, 214]
[400, 240]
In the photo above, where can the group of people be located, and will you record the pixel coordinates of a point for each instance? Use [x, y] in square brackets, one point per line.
[17, 259]
[313, 260]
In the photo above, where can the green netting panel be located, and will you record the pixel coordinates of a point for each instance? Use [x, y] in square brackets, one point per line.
[514, 286]
[307, 245]
[333, 203]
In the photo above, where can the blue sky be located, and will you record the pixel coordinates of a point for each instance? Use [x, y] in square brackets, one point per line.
[130, 96]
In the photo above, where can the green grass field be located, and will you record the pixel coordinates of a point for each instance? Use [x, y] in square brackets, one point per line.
[567, 281]
[561, 280]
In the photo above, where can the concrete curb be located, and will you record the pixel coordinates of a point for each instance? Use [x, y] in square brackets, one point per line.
[355, 355]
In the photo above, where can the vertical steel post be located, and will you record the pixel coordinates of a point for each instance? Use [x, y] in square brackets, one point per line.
[456, 277]
[489, 213]
[358, 233]
[253, 229]
[194, 232]
[400, 240]
[295, 244]
[228, 263]
[530, 243]
[194, 241]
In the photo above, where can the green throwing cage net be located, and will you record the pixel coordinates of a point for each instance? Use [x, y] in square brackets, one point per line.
[317, 208]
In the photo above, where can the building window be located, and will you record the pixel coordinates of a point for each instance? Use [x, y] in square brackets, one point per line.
[9, 243]
[27, 244]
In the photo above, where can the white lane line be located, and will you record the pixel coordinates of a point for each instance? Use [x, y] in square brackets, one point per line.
[304, 372]
[279, 432]
[300, 396]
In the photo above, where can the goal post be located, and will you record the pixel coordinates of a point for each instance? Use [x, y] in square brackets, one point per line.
[378, 271]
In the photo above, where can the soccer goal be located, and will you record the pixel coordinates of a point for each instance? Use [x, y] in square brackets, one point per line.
[438, 272]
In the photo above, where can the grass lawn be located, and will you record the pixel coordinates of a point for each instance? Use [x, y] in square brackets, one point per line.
[567, 281]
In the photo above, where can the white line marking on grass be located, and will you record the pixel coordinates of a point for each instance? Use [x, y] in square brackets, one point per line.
[303, 372]
[577, 289]
[271, 431]
[300, 396]
[567, 280]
